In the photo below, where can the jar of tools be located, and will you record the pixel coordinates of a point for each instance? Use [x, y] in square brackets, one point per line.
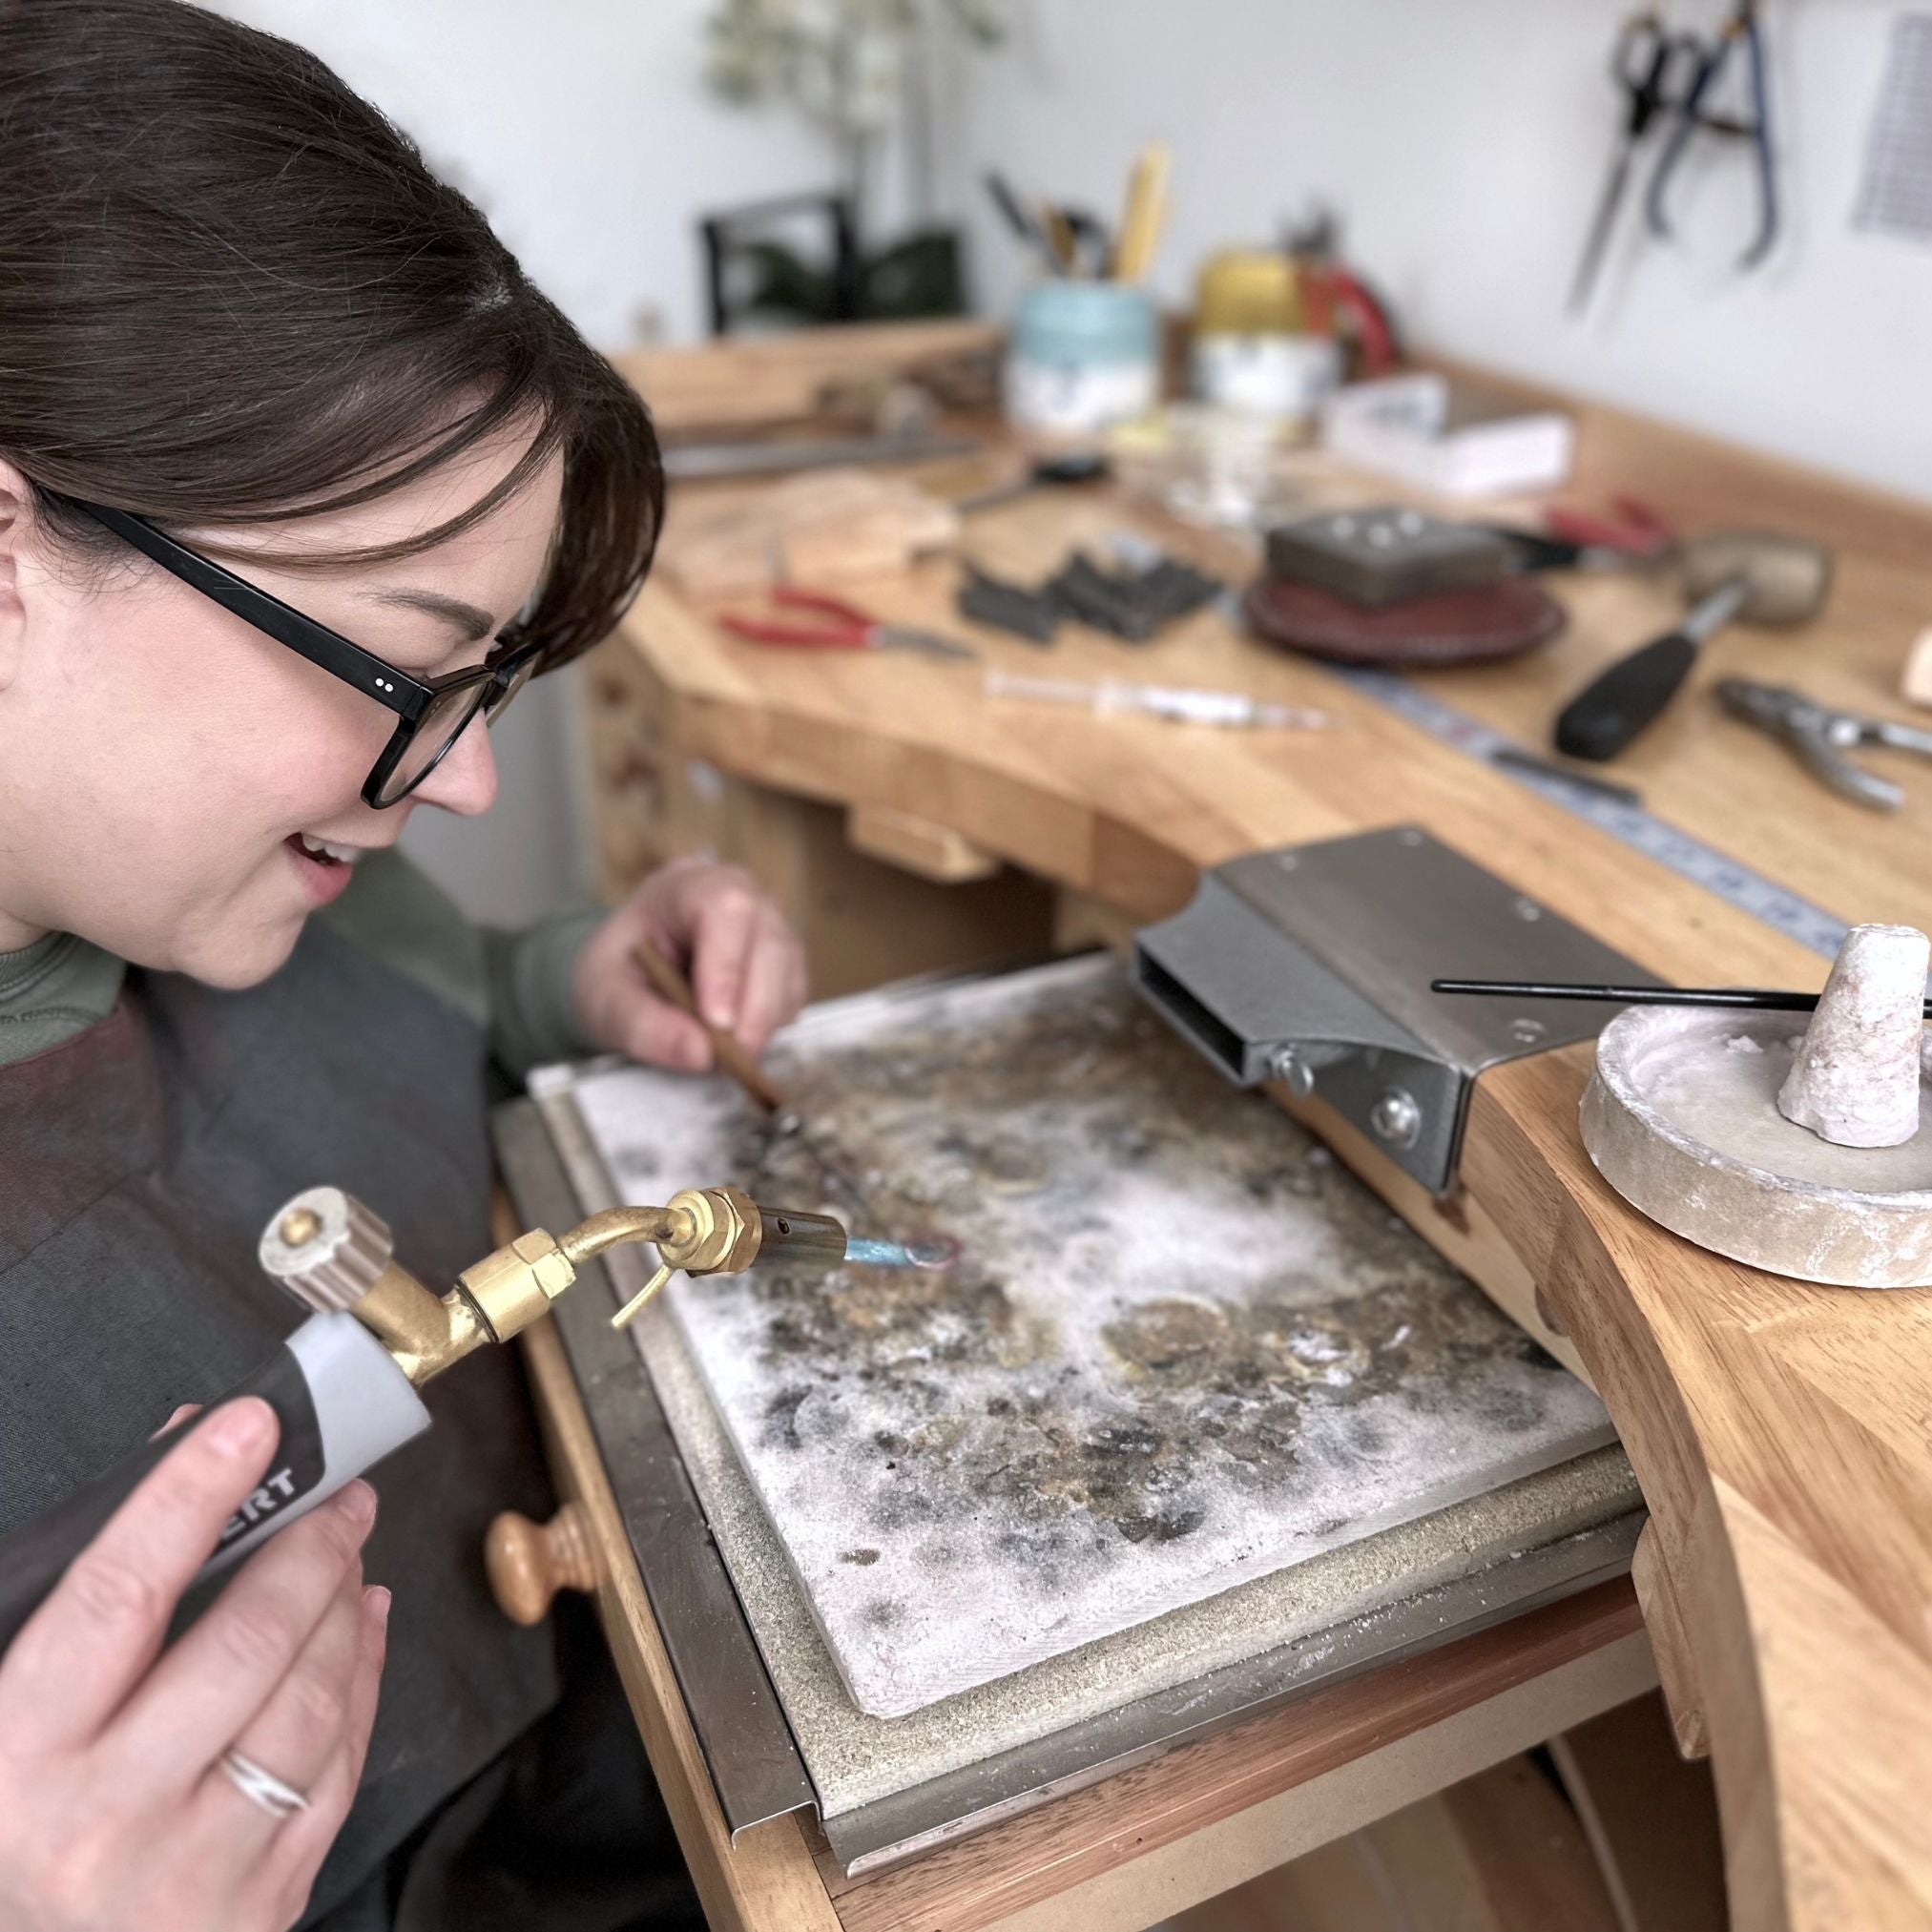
[1084, 355]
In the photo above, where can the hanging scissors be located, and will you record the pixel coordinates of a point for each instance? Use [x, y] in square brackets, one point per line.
[1740, 30]
[835, 625]
[1656, 69]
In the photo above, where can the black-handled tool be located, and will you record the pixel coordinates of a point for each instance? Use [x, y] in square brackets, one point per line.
[1607, 714]
[343, 1385]
[1655, 68]
[1741, 28]
[1749, 576]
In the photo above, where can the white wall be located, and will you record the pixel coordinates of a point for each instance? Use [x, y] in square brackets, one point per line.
[581, 126]
[584, 131]
[1463, 142]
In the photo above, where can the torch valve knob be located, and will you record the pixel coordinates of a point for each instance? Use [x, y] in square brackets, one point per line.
[326, 1248]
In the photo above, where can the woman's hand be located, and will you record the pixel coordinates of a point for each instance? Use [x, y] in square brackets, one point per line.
[743, 960]
[115, 1809]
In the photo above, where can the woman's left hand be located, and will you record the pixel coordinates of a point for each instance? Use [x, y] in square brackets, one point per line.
[743, 960]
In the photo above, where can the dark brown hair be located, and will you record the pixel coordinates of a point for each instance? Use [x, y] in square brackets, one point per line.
[232, 293]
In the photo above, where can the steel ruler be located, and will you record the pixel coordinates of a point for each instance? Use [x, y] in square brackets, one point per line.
[1715, 872]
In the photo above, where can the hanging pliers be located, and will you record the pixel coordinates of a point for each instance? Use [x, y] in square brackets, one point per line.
[1740, 29]
[1820, 736]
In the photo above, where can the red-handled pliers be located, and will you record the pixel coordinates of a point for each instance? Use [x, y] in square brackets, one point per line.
[846, 627]
[1632, 527]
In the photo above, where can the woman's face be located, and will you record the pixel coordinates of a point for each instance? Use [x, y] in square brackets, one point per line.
[166, 770]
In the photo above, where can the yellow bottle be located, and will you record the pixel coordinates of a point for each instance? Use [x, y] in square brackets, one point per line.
[1253, 349]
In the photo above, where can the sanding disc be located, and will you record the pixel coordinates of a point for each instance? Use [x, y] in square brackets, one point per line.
[1474, 626]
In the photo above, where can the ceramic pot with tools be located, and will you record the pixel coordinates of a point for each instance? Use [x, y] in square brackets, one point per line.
[1085, 356]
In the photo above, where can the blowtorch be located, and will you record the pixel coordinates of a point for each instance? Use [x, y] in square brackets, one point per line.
[343, 1385]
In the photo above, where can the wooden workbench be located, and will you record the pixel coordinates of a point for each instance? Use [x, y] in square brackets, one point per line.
[1782, 1433]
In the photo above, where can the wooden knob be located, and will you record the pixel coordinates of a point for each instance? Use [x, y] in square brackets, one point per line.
[624, 766]
[529, 1562]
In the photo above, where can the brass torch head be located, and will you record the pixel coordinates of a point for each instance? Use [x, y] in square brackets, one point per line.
[723, 1231]
[726, 1232]
[331, 1252]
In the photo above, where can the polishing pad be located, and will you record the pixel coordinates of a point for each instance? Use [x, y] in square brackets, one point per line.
[1476, 626]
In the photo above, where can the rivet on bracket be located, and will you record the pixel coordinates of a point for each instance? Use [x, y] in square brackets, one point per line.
[1395, 1118]
[1294, 1072]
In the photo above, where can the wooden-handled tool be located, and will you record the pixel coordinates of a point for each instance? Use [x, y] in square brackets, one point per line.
[1144, 211]
[669, 983]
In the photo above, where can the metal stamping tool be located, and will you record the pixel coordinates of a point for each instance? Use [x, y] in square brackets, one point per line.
[1819, 736]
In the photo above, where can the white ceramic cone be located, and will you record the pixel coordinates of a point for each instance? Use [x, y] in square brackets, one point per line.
[1856, 1078]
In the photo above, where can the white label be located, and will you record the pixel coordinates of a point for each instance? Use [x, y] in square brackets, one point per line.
[1077, 397]
[1271, 375]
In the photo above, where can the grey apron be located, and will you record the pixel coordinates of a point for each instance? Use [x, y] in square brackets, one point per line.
[138, 1162]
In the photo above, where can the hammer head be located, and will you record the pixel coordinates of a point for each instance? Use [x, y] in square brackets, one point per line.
[1786, 577]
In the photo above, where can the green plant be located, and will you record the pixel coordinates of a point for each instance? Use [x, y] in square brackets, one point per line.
[853, 68]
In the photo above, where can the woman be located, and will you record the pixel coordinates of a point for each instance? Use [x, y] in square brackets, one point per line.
[299, 479]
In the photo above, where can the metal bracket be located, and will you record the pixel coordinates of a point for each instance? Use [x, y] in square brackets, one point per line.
[1312, 964]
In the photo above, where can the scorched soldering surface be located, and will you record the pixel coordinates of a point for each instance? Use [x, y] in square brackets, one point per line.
[1181, 1346]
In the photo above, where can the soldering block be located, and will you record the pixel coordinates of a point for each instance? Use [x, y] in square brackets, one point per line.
[1387, 555]
[1177, 1352]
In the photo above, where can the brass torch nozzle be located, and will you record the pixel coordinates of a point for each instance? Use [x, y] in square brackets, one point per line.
[718, 1234]
[723, 1231]
[702, 1231]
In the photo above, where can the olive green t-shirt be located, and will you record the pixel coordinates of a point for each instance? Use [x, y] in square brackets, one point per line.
[516, 985]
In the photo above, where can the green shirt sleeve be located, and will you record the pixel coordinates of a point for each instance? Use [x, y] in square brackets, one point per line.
[52, 989]
[532, 1013]
[515, 985]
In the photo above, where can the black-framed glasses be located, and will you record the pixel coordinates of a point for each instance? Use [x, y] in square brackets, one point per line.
[431, 714]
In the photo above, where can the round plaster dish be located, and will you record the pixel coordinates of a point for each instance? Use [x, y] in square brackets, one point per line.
[1681, 1118]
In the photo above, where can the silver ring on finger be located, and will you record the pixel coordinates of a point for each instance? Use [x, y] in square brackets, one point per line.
[262, 1787]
